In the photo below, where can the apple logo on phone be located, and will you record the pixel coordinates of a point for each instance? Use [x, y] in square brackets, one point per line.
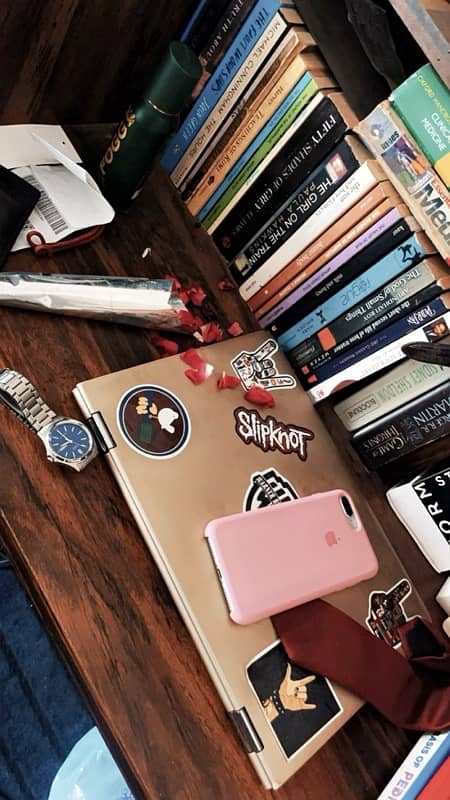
[330, 538]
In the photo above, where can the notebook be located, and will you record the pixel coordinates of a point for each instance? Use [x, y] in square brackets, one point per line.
[217, 454]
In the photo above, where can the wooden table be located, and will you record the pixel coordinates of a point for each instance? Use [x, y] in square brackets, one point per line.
[85, 566]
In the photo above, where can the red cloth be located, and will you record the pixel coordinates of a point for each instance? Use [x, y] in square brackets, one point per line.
[411, 692]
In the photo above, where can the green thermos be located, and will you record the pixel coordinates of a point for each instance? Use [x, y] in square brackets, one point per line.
[146, 127]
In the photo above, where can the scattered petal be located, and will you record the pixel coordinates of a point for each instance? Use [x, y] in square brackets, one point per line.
[190, 321]
[168, 347]
[235, 329]
[199, 376]
[192, 358]
[260, 397]
[196, 295]
[147, 252]
[176, 285]
[226, 285]
[211, 332]
[227, 381]
[183, 295]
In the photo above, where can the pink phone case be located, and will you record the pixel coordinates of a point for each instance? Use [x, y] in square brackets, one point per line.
[280, 556]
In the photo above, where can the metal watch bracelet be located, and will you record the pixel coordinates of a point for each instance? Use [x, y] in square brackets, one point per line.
[22, 398]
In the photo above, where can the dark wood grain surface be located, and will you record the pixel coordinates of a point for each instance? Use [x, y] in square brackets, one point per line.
[80, 61]
[76, 549]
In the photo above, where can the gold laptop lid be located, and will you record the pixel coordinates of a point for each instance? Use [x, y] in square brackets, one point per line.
[185, 454]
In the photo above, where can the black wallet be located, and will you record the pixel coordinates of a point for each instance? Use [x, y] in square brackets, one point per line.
[17, 200]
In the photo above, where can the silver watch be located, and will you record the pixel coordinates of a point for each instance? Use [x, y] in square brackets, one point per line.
[67, 441]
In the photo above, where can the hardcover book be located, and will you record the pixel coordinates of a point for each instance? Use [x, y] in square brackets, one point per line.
[297, 159]
[399, 386]
[419, 766]
[162, 431]
[385, 134]
[363, 215]
[423, 506]
[420, 422]
[415, 287]
[423, 103]
[236, 54]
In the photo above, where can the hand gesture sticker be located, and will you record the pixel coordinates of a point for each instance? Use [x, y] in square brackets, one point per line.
[258, 368]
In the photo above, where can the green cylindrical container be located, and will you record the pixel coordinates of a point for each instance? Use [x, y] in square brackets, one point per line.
[146, 127]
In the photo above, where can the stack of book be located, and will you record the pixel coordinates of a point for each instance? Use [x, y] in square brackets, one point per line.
[339, 249]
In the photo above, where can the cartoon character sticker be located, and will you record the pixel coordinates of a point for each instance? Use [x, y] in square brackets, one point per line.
[153, 421]
[258, 368]
[297, 704]
[386, 612]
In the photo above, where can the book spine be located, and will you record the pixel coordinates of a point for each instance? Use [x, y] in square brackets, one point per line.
[424, 420]
[232, 61]
[372, 253]
[412, 288]
[240, 111]
[254, 122]
[413, 774]
[306, 149]
[395, 331]
[423, 103]
[342, 257]
[255, 152]
[402, 384]
[223, 33]
[269, 38]
[386, 136]
[405, 255]
[193, 20]
[356, 221]
[377, 361]
[341, 201]
[312, 193]
[278, 126]
[198, 32]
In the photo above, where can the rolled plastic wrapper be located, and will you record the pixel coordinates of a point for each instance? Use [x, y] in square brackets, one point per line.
[132, 301]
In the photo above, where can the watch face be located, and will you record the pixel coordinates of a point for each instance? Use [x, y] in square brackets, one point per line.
[70, 440]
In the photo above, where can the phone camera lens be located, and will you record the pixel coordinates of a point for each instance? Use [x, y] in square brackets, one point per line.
[346, 506]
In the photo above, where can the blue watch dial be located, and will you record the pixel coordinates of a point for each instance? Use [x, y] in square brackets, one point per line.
[70, 440]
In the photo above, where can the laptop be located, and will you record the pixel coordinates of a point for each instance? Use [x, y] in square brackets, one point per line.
[185, 454]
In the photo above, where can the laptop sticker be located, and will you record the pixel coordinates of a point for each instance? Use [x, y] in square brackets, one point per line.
[269, 434]
[267, 487]
[386, 612]
[258, 368]
[153, 421]
[297, 704]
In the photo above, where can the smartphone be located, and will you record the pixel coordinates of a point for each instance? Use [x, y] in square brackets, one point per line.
[279, 556]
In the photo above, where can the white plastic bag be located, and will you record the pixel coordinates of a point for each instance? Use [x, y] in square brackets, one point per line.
[89, 773]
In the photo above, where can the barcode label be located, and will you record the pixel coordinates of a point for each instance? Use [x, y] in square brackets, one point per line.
[47, 208]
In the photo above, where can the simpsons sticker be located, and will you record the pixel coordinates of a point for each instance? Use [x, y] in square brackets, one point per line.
[153, 421]
[258, 368]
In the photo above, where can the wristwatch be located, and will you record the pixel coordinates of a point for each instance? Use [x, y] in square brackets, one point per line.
[67, 441]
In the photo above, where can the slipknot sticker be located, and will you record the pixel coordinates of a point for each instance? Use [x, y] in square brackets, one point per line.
[269, 434]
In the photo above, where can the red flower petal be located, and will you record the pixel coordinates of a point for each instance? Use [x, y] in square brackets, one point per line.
[168, 347]
[196, 295]
[211, 332]
[235, 329]
[228, 381]
[226, 285]
[192, 358]
[260, 397]
[183, 295]
[199, 376]
[190, 321]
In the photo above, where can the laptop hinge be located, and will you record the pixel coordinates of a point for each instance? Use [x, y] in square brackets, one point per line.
[101, 432]
[246, 730]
